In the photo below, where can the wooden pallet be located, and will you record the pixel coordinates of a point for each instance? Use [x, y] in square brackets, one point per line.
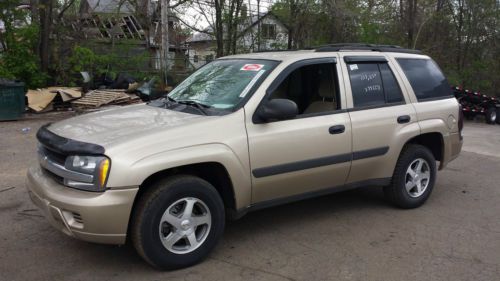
[98, 98]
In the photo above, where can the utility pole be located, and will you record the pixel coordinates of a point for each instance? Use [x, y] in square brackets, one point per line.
[164, 40]
[258, 25]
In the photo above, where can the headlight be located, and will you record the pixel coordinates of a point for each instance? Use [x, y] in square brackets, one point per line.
[96, 166]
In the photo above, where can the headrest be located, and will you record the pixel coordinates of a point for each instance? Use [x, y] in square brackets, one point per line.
[325, 89]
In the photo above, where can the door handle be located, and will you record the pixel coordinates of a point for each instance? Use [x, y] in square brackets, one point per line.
[337, 129]
[404, 119]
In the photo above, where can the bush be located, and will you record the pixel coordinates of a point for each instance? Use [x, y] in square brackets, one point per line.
[20, 60]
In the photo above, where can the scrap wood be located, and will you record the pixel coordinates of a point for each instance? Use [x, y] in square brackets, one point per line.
[71, 93]
[98, 98]
[67, 93]
[39, 99]
[129, 99]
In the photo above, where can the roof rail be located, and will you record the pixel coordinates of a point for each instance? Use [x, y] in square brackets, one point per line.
[364, 47]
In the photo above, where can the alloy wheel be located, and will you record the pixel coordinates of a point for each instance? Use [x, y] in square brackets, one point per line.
[417, 178]
[185, 225]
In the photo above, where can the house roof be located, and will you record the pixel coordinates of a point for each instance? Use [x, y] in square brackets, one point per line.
[200, 37]
[256, 18]
[110, 6]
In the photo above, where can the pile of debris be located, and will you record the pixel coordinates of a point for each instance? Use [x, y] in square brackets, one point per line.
[68, 98]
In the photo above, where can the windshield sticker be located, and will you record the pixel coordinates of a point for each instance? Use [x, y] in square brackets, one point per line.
[353, 67]
[252, 82]
[252, 67]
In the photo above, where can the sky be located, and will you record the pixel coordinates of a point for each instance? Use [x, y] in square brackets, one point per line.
[193, 17]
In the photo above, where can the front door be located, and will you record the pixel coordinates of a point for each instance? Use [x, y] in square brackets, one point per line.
[311, 152]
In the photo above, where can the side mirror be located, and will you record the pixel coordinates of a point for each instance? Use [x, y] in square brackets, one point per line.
[277, 109]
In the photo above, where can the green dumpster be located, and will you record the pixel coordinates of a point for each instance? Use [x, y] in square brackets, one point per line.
[11, 100]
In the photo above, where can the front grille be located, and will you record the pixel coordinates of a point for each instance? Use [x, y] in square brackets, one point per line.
[56, 158]
[52, 155]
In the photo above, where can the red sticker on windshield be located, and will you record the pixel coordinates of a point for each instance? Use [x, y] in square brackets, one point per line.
[252, 67]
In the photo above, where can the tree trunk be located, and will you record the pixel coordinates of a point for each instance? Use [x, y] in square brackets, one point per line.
[258, 25]
[45, 12]
[164, 41]
[219, 30]
[236, 22]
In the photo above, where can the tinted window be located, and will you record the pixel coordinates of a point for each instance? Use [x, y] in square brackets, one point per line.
[391, 87]
[373, 84]
[425, 78]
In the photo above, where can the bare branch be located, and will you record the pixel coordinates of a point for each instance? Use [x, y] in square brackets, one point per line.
[64, 9]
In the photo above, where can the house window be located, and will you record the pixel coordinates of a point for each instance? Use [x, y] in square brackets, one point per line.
[209, 58]
[195, 58]
[268, 31]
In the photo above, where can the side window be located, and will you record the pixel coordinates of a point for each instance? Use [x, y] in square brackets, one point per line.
[425, 78]
[373, 84]
[314, 88]
[391, 88]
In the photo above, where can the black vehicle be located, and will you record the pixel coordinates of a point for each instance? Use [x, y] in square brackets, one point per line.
[474, 103]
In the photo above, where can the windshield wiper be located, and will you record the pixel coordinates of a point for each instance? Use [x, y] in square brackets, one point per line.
[170, 98]
[200, 106]
[166, 100]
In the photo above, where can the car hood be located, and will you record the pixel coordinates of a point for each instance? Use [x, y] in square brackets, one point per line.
[121, 124]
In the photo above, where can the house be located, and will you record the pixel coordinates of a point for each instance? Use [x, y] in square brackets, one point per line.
[201, 48]
[110, 22]
[89, 7]
[273, 36]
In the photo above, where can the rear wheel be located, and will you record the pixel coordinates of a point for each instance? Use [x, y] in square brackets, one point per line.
[498, 115]
[177, 222]
[413, 178]
[491, 115]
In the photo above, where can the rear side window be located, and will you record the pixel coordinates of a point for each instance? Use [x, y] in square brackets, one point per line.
[373, 84]
[426, 78]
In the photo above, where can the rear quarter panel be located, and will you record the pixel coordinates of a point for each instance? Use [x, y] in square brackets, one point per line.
[434, 115]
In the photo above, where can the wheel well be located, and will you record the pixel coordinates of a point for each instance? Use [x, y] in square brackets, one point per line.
[213, 172]
[433, 141]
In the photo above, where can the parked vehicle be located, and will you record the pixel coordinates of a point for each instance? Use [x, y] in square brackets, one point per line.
[474, 103]
[243, 133]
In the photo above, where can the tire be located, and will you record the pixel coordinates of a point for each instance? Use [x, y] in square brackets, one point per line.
[491, 115]
[413, 197]
[160, 219]
[498, 115]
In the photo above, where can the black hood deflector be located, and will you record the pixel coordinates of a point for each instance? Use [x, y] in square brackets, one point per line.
[66, 146]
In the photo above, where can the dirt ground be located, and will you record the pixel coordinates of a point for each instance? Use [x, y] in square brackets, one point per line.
[352, 235]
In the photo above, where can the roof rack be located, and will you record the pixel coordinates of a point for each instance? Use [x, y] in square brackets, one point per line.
[364, 47]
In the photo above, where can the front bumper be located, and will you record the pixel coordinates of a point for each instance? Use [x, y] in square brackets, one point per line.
[90, 216]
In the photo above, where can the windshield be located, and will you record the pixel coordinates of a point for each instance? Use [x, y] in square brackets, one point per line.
[222, 84]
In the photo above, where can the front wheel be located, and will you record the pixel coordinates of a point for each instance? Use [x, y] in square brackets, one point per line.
[413, 178]
[177, 222]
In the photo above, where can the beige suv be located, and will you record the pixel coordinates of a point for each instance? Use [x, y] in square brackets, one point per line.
[242, 133]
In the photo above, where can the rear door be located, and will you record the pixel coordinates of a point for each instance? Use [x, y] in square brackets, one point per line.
[382, 117]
